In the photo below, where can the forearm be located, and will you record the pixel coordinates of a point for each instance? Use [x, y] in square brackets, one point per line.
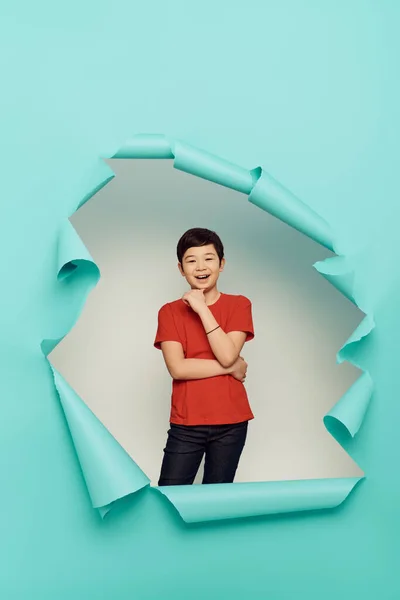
[199, 368]
[221, 344]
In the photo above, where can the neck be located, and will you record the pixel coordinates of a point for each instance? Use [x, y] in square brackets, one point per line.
[211, 296]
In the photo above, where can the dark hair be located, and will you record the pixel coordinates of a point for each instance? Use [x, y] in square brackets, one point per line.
[193, 238]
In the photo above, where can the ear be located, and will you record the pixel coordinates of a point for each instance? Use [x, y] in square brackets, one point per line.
[222, 265]
[181, 269]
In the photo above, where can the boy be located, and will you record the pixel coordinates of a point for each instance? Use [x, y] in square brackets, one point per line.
[201, 337]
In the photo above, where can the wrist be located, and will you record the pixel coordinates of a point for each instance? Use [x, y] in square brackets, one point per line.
[203, 310]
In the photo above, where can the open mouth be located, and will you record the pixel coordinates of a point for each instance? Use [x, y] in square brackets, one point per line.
[202, 277]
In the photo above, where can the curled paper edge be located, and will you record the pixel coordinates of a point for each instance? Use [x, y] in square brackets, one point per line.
[227, 501]
[200, 503]
[109, 472]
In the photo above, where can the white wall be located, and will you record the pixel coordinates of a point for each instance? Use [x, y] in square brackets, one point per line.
[131, 228]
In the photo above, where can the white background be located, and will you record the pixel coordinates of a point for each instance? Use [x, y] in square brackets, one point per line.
[131, 228]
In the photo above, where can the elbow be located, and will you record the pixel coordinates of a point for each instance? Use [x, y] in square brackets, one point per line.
[175, 373]
[228, 361]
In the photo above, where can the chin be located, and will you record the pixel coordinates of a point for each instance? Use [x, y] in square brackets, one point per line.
[198, 286]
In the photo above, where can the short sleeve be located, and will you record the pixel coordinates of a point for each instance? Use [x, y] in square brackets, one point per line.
[241, 318]
[166, 330]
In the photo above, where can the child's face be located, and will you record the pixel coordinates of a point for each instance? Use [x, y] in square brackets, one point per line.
[201, 268]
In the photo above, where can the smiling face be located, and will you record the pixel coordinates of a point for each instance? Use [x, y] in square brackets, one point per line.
[201, 267]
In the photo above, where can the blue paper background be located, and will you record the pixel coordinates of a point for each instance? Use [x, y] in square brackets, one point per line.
[110, 474]
[309, 91]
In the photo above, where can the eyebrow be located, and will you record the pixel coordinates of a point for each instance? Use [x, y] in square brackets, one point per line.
[193, 256]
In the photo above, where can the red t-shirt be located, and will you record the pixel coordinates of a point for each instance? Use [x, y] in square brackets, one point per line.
[220, 400]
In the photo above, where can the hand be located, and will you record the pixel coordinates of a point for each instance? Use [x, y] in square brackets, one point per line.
[195, 299]
[239, 369]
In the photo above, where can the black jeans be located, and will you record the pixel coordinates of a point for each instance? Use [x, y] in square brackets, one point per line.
[187, 444]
